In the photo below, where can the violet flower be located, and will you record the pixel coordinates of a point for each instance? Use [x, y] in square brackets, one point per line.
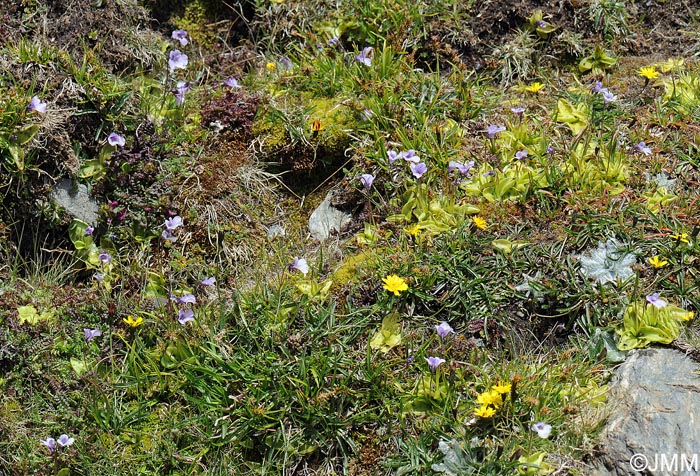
[518, 110]
[418, 169]
[92, 333]
[184, 316]
[392, 156]
[50, 443]
[409, 156]
[366, 180]
[493, 130]
[181, 36]
[463, 168]
[208, 281]
[542, 429]
[104, 257]
[434, 362]
[180, 91]
[177, 60]
[444, 329]
[63, 441]
[286, 63]
[521, 154]
[642, 147]
[187, 299]
[333, 41]
[550, 150]
[365, 56]
[166, 235]
[115, 140]
[89, 230]
[171, 224]
[656, 301]
[35, 104]
[299, 264]
[609, 97]
[598, 88]
[232, 83]
[99, 277]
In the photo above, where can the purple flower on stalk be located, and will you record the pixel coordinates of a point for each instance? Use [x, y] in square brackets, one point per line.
[35, 104]
[99, 277]
[115, 139]
[171, 224]
[50, 443]
[63, 441]
[286, 63]
[187, 299]
[656, 301]
[92, 333]
[642, 147]
[418, 169]
[211, 281]
[177, 60]
[493, 130]
[89, 230]
[181, 36]
[598, 88]
[518, 110]
[180, 91]
[521, 154]
[434, 362]
[299, 264]
[409, 156]
[463, 168]
[608, 96]
[542, 429]
[232, 83]
[366, 180]
[541, 24]
[392, 156]
[443, 329]
[550, 150]
[104, 257]
[166, 235]
[184, 316]
[333, 41]
[365, 56]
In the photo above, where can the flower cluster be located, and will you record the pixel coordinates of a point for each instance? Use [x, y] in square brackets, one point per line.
[63, 442]
[607, 95]
[417, 167]
[491, 400]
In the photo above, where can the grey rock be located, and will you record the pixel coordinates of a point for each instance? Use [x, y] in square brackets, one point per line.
[655, 399]
[76, 200]
[326, 218]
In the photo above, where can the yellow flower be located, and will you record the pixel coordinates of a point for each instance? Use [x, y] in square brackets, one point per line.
[534, 87]
[479, 222]
[484, 412]
[501, 388]
[317, 126]
[656, 262]
[492, 398]
[394, 284]
[133, 323]
[413, 231]
[683, 238]
[688, 316]
[648, 72]
[270, 66]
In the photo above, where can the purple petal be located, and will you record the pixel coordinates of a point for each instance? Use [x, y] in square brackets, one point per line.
[184, 316]
[115, 139]
[35, 104]
[208, 281]
[181, 36]
[187, 299]
[171, 224]
[50, 443]
[64, 441]
[367, 180]
[299, 264]
[232, 83]
[177, 60]
[418, 169]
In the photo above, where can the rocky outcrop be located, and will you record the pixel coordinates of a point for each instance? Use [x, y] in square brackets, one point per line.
[655, 409]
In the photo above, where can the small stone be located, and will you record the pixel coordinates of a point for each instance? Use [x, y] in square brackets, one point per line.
[76, 200]
[326, 219]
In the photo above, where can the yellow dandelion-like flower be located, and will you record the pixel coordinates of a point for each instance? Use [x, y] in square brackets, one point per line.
[479, 222]
[683, 238]
[413, 231]
[394, 284]
[490, 398]
[270, 66]
[534, 87]
[484, 412]
[130, 321]
[656, 262]
[502, 388]
[648, 72]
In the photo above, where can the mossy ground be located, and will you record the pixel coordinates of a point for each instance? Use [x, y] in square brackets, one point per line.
[326, 372]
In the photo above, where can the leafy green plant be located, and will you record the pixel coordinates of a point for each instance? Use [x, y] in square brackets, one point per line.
[644, 323]
[598, 62]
